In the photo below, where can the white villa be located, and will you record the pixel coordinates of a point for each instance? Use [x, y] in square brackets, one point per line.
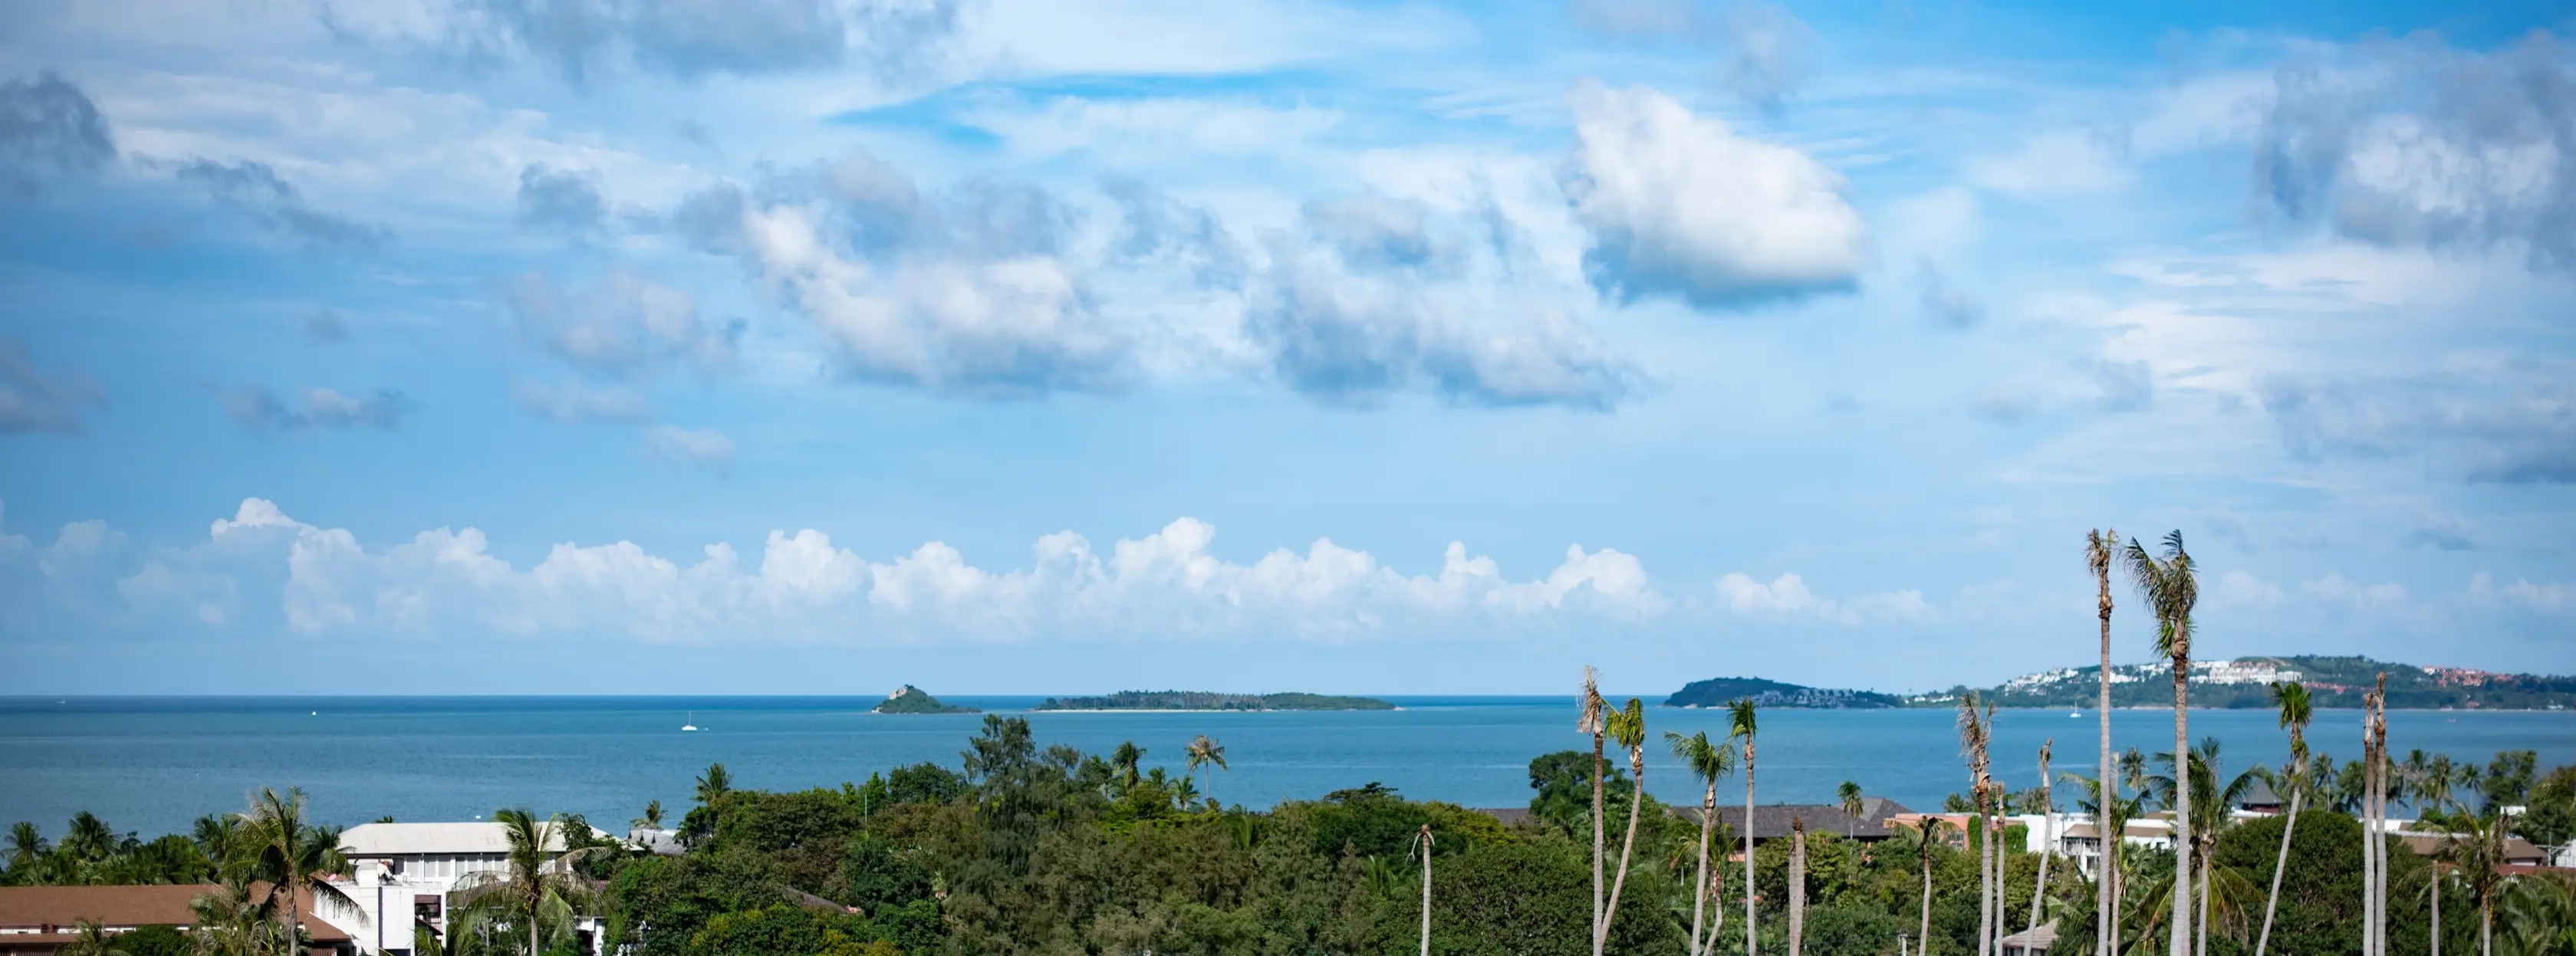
[408, 875]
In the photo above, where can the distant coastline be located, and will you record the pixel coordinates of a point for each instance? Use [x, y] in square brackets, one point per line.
[1131, 701]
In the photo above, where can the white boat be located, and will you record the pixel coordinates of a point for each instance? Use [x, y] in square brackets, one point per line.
[691, 723]
[2076, 714]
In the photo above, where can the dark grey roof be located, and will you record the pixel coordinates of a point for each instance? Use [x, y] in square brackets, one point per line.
[1772, 821]
[1509, 816]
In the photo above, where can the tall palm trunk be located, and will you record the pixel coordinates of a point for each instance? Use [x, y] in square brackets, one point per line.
[1797, 886]
[1985, 877]
[2097, 554]
[1700, 894]
[2280, 862]
[1923, 934]
[2181, 939]
[2047, 839]
[1748, 848]
[2437, 910]
[1426, 889]
[1599, 767]
[2203, 949]
[1627, 845]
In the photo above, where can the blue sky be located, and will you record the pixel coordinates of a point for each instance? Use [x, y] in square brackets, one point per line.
[813, 346]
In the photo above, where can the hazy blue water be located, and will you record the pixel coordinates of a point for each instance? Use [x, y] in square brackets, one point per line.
[152, 765]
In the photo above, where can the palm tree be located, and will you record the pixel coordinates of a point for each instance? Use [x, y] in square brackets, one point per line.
[1206, 752]
[90, 939]
[652, 818]
[1594, 720]
[2210, 802]
[26, 846]
[1797, 885]
[2047, 838]
[2431, 783]
[1422, 841]
[235, 920]
[1126, 759]
[1707, 761]
[2539, 915]
[537, 886]
[1972, 744]
[292, 856]
[1852, 807]
[714, 785]
[1740, 724]
[1926, 832]
[1628, 727]
[2292, 698]
[2098, 546]
[2171, 586]
[2477, 854]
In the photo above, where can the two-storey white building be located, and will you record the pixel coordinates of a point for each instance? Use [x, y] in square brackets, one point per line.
[408, 875]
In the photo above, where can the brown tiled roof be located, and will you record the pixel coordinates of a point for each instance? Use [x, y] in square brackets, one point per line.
[40, 906]
[1772, 822]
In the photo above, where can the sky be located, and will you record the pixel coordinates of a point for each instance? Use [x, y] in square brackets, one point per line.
[819, 346]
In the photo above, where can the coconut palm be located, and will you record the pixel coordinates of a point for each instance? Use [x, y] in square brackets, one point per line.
[1628, 727]
[236, 919]
[2477, 855]
[652, 818]
[714, 785]
[1204, 751]
[2047, 838]
[2292, 699]
[2171, 586]
[1797, 885]
[1973, 728]
[1926, 833]
[1741, 725]
[536, 888]
[90, 939]
[2431, 785]
[1423, 843]
[1594, 720]
[293, 856]
[26, 846]
[2098, 546]
[2208, 801]
[2539, 915]
[1125, 760]
[1852, 806]
[1707, 761]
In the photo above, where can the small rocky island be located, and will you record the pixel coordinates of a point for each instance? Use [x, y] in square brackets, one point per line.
[908, 699]
[1206, 700]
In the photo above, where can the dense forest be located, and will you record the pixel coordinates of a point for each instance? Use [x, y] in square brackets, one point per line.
[1027, 848]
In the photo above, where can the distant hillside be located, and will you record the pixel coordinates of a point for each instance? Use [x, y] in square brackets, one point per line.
[2245, 682]
[1205, 700]
[1720, 691]
[908, 699]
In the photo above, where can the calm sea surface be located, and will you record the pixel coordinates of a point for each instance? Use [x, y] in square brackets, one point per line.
[152, 765]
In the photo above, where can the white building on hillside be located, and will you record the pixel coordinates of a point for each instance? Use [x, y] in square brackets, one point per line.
[408, 875]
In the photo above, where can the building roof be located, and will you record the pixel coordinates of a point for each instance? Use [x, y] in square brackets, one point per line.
[483, 837]
[1772, 822]
[2035, 940]
[2516, 849]
[125, 906]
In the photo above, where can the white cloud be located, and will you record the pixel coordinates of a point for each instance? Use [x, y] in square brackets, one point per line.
[1679, 204]
[1788, 596]
[575, 402]
[262, 566]
[622, 324]
[2547, 598]
[2240, 588]
[2335, 589]
[704, 447]
[2056, 165]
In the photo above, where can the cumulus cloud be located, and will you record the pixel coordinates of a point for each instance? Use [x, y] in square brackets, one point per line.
[259, 409]
[2417, 144]
[1339, 326]
[1788, 596]
[2549, 598]
[1678, 204]
[1372, 232]
[261, 567]
[257, 189]
[967, 294]
[32, 401]
[2444, 532]
[2518, 426]
[563, 201]
[2334, 588]
[2239, 588]
[1157, 229]
[694, 38]
[48, 127]
[621, 324]
[573, 402]
[704, 447]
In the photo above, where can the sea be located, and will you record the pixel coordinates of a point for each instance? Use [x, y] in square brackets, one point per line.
[152, 765]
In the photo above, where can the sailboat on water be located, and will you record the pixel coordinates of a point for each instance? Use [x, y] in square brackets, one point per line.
[691, 723]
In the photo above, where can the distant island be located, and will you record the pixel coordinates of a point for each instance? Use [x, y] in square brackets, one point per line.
[1206, 700]
[1721, 691]
[908, 699]
[2245, 682]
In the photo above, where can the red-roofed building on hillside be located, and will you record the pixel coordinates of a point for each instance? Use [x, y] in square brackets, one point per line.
[39, 920]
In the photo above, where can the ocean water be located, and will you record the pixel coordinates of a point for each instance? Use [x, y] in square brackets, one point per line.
[154, 764]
